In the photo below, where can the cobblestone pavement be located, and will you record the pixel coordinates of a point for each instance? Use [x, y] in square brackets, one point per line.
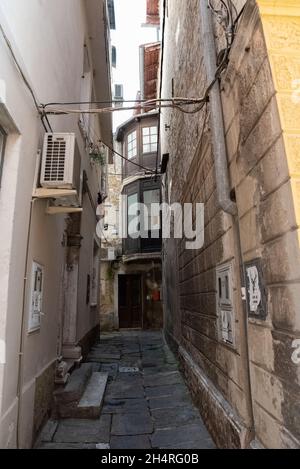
[146, 403]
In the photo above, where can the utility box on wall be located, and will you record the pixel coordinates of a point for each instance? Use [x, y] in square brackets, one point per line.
[225, 304]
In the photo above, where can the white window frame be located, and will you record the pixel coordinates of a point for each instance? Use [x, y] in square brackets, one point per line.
[153, 139]
[132, 145]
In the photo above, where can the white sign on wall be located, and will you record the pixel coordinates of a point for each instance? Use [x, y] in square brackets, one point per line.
[36, 297]
[255, 290]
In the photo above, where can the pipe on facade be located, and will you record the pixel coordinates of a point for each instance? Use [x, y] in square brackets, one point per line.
[22, 331]
[216, 117]
[222, 177]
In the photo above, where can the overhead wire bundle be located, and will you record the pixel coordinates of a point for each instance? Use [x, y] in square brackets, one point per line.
[227, 16]
[178, 103]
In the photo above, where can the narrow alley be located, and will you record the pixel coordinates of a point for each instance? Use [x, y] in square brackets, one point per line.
[145, 404]
[150, 225]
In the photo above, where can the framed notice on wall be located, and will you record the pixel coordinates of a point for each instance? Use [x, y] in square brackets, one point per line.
[36, 297]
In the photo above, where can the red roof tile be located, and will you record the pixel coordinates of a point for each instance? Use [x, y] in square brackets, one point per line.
[153, 12]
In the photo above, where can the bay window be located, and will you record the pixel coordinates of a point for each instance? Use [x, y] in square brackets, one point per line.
[152, 200]
[132, 215]
[142, 216]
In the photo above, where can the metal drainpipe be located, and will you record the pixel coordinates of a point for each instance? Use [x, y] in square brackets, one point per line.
[222, 175]
[217, 123]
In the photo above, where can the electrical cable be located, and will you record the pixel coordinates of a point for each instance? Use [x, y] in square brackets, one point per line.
[25, 80]
[126, 159]
[139, 101]
[239, 16]
[160, 84]
[100, 141]
[202, 101]
[37, 105]
[173, 103]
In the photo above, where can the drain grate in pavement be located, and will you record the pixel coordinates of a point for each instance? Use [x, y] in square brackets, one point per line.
[128, 369]
[102, 446]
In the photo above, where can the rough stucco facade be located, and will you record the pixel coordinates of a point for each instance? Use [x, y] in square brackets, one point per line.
[261, 406]
[54, 52]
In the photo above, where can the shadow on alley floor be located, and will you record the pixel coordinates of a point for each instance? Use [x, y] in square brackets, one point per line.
[146, 403]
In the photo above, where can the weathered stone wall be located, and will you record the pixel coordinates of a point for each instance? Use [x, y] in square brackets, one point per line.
[260, 174]
[266, 221]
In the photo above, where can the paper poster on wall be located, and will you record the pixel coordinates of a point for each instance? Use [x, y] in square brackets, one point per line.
[255, 289]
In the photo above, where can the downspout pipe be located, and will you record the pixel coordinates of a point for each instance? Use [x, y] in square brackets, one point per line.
[222, 178]
[216, 117]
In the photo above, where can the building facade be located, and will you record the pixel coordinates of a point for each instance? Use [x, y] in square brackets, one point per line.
[131, 277]
[232, 308]
[49, 251]
[131, 297]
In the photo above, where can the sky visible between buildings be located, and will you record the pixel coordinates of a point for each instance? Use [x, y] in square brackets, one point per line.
[130, 33]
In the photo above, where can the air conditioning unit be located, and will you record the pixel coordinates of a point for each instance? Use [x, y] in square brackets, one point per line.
[119, 96]
[109, 254]
[61, 164]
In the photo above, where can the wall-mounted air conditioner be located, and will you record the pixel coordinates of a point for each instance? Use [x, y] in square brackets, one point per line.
[61, 163]
[109, 254]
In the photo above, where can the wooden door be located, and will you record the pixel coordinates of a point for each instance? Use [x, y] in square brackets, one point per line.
[130, 302]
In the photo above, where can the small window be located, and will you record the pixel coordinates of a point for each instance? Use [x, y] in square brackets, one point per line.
[132, 145]
[150, 139]
[119, 92]
[114, 56]
[111, 14]
[2, 149]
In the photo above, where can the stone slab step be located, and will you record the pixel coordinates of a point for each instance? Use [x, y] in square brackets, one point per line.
[76, 384]
[104, 355]
[66, 399]
[90, 404]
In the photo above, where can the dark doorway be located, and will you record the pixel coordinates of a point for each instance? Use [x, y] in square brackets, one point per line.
[130, 302]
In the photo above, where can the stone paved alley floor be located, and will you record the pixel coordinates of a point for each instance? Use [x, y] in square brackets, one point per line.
[148, 407]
